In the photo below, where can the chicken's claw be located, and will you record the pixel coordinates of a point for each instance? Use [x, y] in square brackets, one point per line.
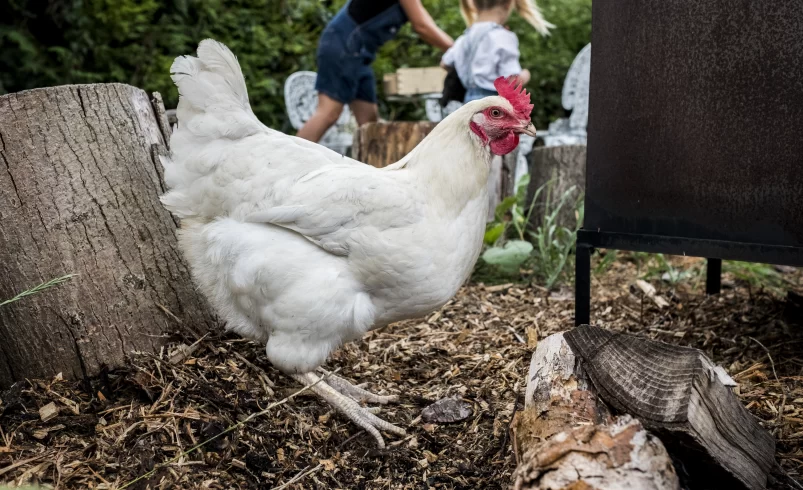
[347, 404]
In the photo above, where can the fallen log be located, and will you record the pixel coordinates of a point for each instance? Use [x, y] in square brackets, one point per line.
[681, 396]
[566, 439]
[566, 436]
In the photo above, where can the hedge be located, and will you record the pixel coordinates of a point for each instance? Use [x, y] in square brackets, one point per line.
[54, 42]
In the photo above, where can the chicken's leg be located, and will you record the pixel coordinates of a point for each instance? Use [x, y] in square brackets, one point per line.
[348, 406]
[356, 392]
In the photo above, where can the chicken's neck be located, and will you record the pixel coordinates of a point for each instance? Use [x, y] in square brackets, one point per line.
[450, 166]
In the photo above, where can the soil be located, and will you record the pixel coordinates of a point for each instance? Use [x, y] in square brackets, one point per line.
[120, 426]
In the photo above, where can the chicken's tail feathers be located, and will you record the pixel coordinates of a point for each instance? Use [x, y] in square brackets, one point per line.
[213, 98]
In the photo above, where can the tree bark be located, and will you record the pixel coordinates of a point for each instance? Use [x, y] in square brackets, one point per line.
[382, 143]
[567, 166]
[566, 439]
[80, 181]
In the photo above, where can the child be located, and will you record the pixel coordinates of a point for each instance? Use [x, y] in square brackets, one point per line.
[346, 50]
[487, 50]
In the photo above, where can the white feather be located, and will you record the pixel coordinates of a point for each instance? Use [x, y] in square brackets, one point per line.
[302, 248]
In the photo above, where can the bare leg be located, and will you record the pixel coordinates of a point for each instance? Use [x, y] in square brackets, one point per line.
[324, 118]
[364, 112]
[349, 407]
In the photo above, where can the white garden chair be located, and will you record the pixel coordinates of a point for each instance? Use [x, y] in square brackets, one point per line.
[301, 100]
[572, 130]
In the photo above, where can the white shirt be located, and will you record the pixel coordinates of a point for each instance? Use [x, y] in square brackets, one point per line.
[496, 55]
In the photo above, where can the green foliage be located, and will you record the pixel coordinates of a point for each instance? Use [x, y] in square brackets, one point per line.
[659, 267]
[606, 260]
[547, 251]
[509, 257]
[53, 42]
[555, 243]
[136, 41]
[757, 275]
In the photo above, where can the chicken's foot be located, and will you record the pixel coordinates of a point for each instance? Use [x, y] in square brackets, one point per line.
[357, 392]
[349, 406]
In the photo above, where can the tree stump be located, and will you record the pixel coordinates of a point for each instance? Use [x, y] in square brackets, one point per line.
[80, 181]
[382, 143]
[566, 439]
[565, 166]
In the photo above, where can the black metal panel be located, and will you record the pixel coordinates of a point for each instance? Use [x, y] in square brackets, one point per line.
[696, 122]
[694, 247]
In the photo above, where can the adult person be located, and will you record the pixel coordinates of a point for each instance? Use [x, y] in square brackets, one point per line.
[346, 50]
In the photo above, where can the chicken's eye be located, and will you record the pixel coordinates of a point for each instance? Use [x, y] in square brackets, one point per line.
[496, 113]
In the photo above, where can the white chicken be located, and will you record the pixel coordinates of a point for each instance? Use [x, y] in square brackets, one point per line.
[303, 249]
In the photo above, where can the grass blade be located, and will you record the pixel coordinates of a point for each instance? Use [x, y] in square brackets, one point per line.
[38, 289]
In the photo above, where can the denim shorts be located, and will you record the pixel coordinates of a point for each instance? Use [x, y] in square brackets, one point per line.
[476, 93]
[344, 66]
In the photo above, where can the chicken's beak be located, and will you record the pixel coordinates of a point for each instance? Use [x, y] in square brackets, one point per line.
[529, 130]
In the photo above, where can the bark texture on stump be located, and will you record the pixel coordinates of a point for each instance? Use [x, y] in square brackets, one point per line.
[567, 166]
[382, 143]
[566, 439]
[79, 193]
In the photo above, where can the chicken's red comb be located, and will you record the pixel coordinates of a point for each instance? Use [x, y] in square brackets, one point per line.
[514, 92]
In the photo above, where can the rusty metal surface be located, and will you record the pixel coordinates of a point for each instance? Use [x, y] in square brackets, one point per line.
[696, 120]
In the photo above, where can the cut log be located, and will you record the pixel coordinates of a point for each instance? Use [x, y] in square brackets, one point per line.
[80, 181]
[382, 143]
[566, 439]
[679, 394]
[566, 167]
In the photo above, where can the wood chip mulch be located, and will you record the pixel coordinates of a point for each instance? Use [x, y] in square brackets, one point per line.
[106, 432]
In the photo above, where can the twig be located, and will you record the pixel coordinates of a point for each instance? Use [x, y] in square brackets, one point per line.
[20, 463]
[301, 475]
[230, 429]
[254, 367]
[169, 313]
[775, 374]
[515, 334]
[39, 288]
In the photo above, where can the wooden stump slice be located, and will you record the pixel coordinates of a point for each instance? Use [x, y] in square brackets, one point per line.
[566, 439]
[80, 181]
[382, 143]
[680, 395]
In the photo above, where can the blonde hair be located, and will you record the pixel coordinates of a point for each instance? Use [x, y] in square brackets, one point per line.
[526, 8]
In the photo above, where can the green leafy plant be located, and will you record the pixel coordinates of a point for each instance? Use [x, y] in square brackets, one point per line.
[554, 243]
[606, 260]
[509, 257]
[545, 250]
[756, 275]
[508, 254]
